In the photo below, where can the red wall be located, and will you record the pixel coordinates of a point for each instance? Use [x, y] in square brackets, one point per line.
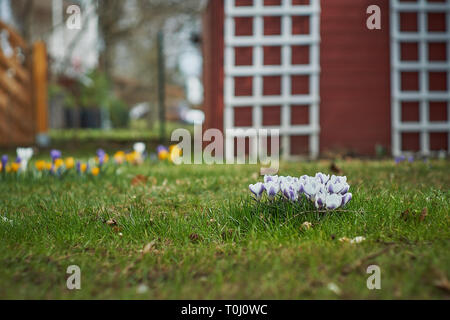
[213, 60]
[355, 78]
[354, 81]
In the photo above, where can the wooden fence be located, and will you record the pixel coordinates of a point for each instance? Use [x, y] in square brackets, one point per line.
[23, 89]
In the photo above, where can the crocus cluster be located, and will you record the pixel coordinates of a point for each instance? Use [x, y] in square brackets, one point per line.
[324, 191]
[58, 165]
[403, 158]
[170, 154]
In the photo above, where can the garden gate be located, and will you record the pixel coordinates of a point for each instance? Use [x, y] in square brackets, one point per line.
[23, 89]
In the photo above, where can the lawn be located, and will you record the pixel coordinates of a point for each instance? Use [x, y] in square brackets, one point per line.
[161, 231]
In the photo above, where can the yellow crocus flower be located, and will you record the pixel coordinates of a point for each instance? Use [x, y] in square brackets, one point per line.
[70, 163]
[163, 155]
[95, 171]
[119, 157]
[58, 163]
[40, 165]
[48, 166]
[15, 166]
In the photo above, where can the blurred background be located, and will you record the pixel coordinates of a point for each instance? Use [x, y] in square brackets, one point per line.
[112, 77]
[76, 74]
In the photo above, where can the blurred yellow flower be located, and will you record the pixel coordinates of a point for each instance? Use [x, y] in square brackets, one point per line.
[163, 155]
[59, 163]
[48, 166]
[15, 166]
[40, 165]
[133, 157]
[119, 157]
[83, 167]
[175, 152]
[70, 163]
[95, 171]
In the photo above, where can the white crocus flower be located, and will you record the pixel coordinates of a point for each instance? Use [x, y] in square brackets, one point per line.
[272, 188]
[320, 200]
[324, 191]
[311, 188]
[257, 189]
[323, 177]
[333, 201]
[270, 179]
[24, 154]
[139, 147]
[346, 198]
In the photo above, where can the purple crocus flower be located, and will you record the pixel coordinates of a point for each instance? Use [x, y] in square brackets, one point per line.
[55, 154]
[101, 154]
[161, 148]
[4, 160]
[18, 160]
[400, 159]
[411, 159]
[78, 166]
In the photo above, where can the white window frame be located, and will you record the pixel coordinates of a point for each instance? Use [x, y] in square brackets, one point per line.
[258, 70]
[422, 66]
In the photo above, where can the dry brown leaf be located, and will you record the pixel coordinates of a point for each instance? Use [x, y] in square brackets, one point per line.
[443, 284]
[405, 214]
[139, 179]
[423, 214]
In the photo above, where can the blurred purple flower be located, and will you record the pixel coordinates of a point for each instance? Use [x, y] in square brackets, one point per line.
[101, 154]
[161, 148]
[55, 154]
[400, 159]
[4, 160]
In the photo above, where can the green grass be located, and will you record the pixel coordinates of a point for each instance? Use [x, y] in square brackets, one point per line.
[61, 136]
[211, 241]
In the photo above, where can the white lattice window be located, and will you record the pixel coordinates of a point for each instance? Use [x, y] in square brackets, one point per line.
[420, 60]
[272, 70]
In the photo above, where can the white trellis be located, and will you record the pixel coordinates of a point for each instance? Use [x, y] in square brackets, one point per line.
[422, 66]
[257, 70]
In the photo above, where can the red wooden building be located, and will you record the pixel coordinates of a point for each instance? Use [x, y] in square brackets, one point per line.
[314, 70]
